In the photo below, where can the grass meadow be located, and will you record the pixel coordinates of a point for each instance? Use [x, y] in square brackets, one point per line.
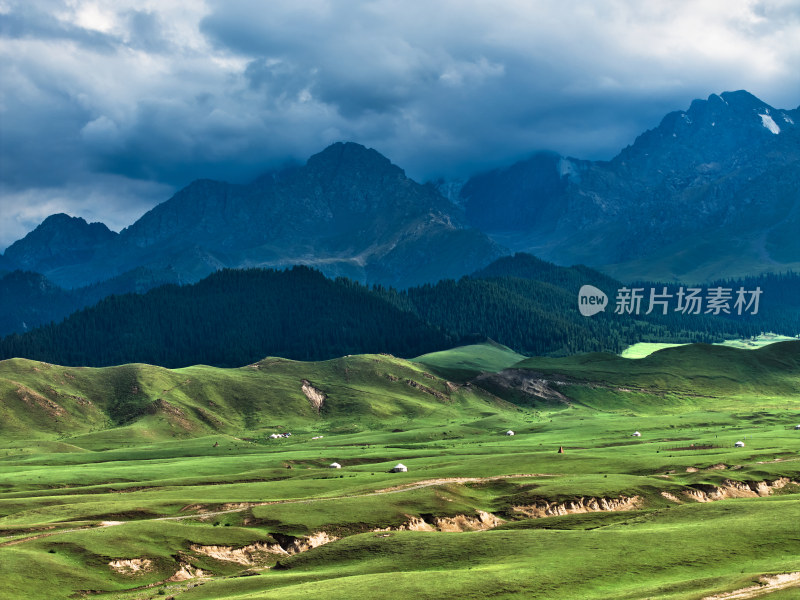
[191, 499]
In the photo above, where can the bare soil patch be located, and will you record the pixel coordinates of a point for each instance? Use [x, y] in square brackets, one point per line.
[767, 584]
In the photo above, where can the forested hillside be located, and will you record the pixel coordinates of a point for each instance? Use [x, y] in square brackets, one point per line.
[237, 317]
[231, 318]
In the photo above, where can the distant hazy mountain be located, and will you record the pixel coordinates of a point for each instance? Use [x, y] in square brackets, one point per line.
[712, 191]
[348, 211]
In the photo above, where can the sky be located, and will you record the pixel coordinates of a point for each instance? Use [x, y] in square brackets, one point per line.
[107, 107]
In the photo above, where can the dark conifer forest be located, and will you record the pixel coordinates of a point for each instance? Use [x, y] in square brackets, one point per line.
[236, 317]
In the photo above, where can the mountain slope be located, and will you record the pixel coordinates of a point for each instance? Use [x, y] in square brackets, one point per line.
[712, 191]
[233, 317]
[29, 300]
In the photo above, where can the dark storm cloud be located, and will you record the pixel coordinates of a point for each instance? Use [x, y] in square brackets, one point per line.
[448, 84]
[106, 105]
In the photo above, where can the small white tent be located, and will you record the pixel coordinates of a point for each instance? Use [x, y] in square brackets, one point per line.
[739, 444]
[334, 465]
[399, 468]
[797, 426]
[509, 432]
[636, 434]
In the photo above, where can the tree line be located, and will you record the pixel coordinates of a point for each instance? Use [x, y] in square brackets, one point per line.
[236, 317]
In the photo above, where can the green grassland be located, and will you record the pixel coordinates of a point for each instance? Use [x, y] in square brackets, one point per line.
[140, 462]
[642, 349]
[465, 362]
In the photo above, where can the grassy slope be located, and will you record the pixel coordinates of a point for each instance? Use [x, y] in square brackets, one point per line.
[75, 475]
[133, 403]
[465, 362]
[642, 349]
[696, 369]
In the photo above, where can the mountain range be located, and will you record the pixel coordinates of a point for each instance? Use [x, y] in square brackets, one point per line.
[712, 192]
[348, 211]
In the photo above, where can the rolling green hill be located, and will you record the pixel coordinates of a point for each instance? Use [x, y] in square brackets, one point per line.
[466, 362]
[139, 482]
[107, 406]
[701, 369]
[116, 404]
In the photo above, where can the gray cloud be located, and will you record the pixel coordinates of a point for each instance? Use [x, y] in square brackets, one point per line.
[114, 200]
[146, 32]
[152, 95]
[29, 21]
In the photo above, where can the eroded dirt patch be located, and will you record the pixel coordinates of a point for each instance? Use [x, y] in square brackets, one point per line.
[173, 413]
[767, 585]
[736, 489]
[131, 566]
[458, 523]
[581, 505]
[186, 572]
[530, 383]
[426, 389]
[314, 540]
[35, 399]
[458, 480]
[246, 555]
[315, 396]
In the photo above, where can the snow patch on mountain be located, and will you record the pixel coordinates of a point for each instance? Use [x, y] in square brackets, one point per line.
[767, 122]
[566, 168]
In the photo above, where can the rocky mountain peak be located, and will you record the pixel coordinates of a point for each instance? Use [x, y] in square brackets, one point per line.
[348, 157]
[739, 99]
[721, 132]
[347, 182]
[57, 236]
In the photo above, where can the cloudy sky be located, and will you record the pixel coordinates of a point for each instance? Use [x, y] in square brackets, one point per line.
[109, 106]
